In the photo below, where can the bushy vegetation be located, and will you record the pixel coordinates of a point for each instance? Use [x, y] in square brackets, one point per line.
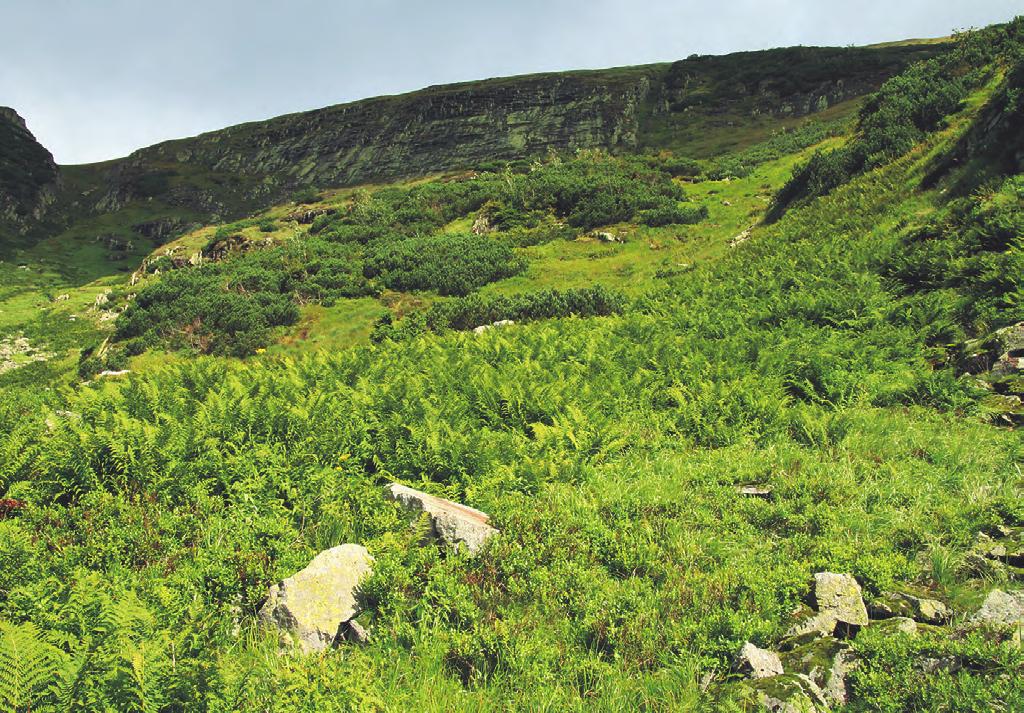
[475, 310]
[391, 238]
[905, 110]
[782, 143]
[449, 264]
[973, 257]
[155, 512]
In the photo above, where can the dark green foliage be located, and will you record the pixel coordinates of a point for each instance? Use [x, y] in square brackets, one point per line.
[903, 111]
[973, 672]
[449, 264]
[973, 253]
[202, 309]
[668, 214]
[592, 190]
[159, 509]
[306, 195]
[475, 310]
[783, 143]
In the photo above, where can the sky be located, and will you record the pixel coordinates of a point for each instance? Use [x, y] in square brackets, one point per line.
[96, 79]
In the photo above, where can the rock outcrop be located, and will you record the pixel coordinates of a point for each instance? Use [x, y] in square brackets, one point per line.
[757, 663]
[837, 604]
[312, 606]
[29, 178]
[1001, 609]
[900, 604]
[452, 523]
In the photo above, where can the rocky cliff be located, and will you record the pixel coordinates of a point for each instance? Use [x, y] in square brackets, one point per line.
[28, 176]
[690, 107]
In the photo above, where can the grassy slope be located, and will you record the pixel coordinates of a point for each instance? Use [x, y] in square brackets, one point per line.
[605, 449]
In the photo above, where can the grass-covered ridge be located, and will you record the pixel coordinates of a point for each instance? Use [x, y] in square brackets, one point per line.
[605, 432]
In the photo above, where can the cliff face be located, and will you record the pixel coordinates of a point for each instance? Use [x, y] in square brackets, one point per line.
[429, 131]
[696, 107]
[28, 176]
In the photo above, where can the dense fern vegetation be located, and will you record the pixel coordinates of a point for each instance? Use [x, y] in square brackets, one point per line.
[605, 431]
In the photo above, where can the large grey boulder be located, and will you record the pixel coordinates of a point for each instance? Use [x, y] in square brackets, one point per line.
[837, 602]
[758, 663]
[1001, 610]
[453, 523]
[310, 606]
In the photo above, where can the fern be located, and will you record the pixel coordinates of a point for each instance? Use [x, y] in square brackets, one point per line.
[28, 668]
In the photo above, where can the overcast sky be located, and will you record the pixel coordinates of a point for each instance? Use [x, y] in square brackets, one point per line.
[96, 79]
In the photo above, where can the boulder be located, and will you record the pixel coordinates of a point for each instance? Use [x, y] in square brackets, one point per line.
[896, 625]
[757, 663]
[1001, 610]
[755, 491]
[837, 603]
[840, 596]
[353, 632]
[453, 523]
[788, 693]
[500, 323]
[826, 661]
[900, 604]
[310, 606]
[1008, 549]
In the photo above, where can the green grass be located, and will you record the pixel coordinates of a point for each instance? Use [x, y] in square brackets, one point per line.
[160, 506]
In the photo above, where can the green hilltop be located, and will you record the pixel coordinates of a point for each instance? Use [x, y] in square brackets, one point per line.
[728, 350]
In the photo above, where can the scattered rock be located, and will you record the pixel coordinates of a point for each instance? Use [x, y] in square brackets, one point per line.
[310, 606]
[110, 372]
[500, 323]
[899, 604]
[16, 351]
[840, 594]
[1001, 610]
[896, 625]
[1008, 549]
[62, 298]
[788, 693]
[305, 217]
[826, 661]
[741, 238]
[931, 666]
[758, 663]
[453, 523]
[755, 491]
[351, 631]
[838, 607]
[606, 237]
[482, 225]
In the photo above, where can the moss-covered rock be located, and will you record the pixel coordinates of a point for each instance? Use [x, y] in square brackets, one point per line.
[826, 661]
[788, 693]
[901, 604]
[309, 607]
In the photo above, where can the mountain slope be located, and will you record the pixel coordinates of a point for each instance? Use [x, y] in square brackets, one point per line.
[704, 434]
[692, 107]
[28, 176]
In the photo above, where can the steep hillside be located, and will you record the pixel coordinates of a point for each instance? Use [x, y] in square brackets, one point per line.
[693, 107]
[28, 177]
[726, 433]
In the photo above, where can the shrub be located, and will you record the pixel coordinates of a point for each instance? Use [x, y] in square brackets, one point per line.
[450, 264]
